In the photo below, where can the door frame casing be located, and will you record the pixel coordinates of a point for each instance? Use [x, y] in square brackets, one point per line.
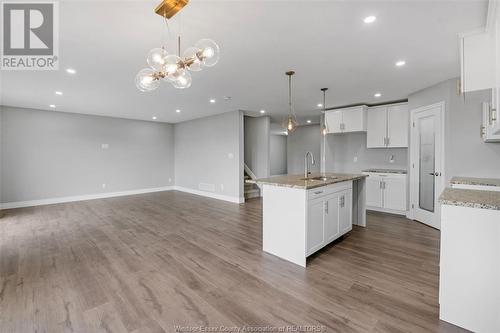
[413, 180]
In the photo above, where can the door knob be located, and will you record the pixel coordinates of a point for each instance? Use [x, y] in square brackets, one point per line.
[435, 173]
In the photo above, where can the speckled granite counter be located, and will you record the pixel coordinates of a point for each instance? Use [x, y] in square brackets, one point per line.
[297, 181]
[400, 171]
[471, 198]
[475, 181]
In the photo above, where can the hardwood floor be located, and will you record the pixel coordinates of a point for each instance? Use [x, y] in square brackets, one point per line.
[149, 262]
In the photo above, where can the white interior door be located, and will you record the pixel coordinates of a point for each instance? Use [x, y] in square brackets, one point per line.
[427, 167]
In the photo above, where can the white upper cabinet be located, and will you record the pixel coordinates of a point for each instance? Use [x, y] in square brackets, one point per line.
[377, 127]
[480, 53]
[346, 120]
[478, 61]
[397, 126]
[387, 126]
[333, 120]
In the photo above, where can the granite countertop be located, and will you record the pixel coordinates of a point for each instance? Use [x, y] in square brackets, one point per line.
[471, 198]
[401, 171]
[475, 181]
[296, 181]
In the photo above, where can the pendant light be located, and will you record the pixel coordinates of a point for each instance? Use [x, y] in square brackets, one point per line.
[175, 68]
[324, 129]
[290, 123]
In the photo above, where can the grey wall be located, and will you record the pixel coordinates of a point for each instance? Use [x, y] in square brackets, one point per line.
[257, 145]
[303, 139]
[47, 154]
[278, 147]
[465, 152]
[208, 154]
[342, 149]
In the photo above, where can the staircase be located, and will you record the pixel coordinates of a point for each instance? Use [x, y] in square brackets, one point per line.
[251, 189]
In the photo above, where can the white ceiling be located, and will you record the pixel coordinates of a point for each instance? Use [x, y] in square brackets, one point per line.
[325, 42]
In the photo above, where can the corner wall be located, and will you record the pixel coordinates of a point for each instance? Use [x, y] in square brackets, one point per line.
[257, 145]
[209, 156]
[465, 152]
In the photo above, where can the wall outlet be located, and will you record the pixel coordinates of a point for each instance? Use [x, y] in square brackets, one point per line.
[104, 145]
[222, 187]
[103, 185]
[230, 156]
[355, 159]
[170, 180]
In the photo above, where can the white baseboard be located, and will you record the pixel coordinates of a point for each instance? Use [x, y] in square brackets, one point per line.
[385, 210]
[51, 201]
[210, 194]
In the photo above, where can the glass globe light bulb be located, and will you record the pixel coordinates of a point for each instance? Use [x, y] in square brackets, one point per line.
[172, 67]
[209, 50]
[183, 81]
[192, 59]
[145, 80]
[291, 124]
[156, 58]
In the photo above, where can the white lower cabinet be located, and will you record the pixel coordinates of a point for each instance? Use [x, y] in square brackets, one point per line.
[329, 216]
[386, 192]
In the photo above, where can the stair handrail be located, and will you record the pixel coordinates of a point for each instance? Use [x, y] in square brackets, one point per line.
[249, 172]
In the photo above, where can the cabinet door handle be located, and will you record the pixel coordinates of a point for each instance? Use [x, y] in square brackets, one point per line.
[342, 201]
[318, 192]
[326, 207]
[380, 184]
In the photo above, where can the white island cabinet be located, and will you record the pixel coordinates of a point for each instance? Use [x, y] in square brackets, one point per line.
[302, 216]
[469, 267]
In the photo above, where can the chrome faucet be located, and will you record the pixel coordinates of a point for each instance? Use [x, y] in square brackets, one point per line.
[306, 164]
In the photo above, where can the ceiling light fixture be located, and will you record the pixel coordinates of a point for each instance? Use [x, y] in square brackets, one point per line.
[70, 71]
[59, 93]
[377, 95]
[291, 121]
[320, 105]
[212, 101]
[370, 19]
[400, 63]
[262, 111]
[52, 106]
[178, 111]
[308, 121]
[324, 129]
[154, 118]
[172, 68]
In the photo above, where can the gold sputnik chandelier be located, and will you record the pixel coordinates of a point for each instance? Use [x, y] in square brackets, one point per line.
[174, 68]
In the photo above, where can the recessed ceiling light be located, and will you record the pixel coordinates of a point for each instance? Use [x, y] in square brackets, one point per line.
[52, 105]
[308, 121]
[70, 71]
[319, 105]
[400, 63]
[59, 93]
[377, 95]
[212, 101]
[262, 111]
[178, 111]
[370, 19]
[154, 118]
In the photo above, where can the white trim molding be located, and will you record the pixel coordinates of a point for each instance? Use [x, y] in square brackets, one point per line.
[50, 201]
[212, 195]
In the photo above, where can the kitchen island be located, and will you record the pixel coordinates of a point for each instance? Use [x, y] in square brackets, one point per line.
[302, 215]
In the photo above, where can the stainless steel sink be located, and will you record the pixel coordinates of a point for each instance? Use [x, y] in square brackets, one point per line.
[320, 178]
